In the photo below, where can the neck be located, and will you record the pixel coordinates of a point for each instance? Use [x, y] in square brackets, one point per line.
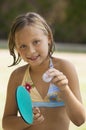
[41, 68]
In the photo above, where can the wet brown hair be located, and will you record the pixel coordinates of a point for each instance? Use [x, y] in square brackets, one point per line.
[20, 22]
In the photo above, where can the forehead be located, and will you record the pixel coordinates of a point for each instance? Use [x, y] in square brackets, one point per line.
[29, 33]
[29, 30]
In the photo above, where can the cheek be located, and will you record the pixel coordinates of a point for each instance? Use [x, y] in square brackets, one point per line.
[22, 53]
[44, 49]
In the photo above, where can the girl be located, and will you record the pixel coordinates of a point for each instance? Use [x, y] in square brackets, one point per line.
[54, 83]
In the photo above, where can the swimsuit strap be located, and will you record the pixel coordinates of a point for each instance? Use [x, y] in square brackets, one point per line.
[51, 64]
[52, 99]
[27, 78]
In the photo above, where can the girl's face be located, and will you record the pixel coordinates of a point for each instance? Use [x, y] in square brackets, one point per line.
[32, 45]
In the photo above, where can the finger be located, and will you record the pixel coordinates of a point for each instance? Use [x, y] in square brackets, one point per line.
[62, 83]
[36, 110]
[41, 118]
[58, 78]
[37, 115]
[54, 72]
[38, 120]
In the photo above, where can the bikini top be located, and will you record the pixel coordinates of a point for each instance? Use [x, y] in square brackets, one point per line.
[52, 99]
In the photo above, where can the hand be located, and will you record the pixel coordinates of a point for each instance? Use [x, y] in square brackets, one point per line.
[59, 79]
[38, 117]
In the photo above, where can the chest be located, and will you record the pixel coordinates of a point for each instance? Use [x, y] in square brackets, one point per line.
[40, 85]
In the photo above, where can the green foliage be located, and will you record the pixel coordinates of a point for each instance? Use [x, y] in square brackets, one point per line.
[10, 11]
[73, 29]
[66, 17]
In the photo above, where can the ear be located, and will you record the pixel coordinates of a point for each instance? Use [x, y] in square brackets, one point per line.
[49, 40]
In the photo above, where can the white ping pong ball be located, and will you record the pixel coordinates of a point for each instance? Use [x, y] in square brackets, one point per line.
[46, 78]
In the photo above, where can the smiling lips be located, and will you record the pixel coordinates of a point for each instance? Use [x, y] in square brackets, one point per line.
[33, 58]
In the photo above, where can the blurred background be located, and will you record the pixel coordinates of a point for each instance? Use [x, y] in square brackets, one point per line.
[67, 19]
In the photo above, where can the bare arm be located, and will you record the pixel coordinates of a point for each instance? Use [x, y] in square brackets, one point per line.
[67, 80]
[10, 119]
[72, 97]
[74, 107]
[14, 123]
[17, 123]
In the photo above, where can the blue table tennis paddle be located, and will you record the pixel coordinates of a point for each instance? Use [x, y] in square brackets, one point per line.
[24, 104]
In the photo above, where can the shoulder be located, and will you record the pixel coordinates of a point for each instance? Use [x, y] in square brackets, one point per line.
[68, 69]
[17, 75]
[63, 64]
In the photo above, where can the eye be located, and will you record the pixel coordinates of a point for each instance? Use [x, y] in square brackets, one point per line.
[36, 42]
[23, 46]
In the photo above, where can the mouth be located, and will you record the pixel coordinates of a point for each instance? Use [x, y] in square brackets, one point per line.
[33, 58]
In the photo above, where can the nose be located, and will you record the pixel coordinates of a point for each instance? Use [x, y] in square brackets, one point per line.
[31, 49]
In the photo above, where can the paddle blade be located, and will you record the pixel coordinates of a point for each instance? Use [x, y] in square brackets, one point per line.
[24, 104]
